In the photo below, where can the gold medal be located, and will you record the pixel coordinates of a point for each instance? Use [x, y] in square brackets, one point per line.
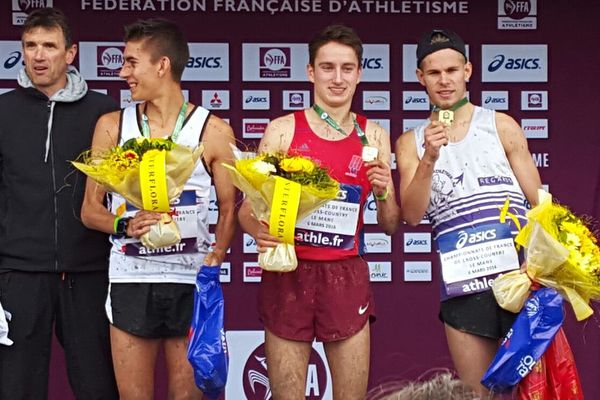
[369, 153]
[446, 117]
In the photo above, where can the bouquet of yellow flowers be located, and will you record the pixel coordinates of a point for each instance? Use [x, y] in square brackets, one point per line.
[562, 253]
[282, 189]
[149, 174]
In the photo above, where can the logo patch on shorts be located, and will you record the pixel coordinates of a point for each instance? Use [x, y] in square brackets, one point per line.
[362, 310]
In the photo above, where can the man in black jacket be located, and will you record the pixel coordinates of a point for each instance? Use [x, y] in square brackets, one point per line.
[53, 270]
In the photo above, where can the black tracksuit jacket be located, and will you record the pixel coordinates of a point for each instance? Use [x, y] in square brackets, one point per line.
[40, 202]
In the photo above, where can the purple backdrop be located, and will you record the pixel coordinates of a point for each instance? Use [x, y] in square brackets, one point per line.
[407, 339]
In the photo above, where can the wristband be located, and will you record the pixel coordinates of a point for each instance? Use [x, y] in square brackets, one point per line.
[116, 224]
[120, 226]
[384, 196]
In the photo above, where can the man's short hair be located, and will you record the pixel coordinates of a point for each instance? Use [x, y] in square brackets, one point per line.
[439, 39]
[339, 34]
[49, 18]
[163, 38]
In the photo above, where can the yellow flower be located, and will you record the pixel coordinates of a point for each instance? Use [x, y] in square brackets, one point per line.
[297, 164]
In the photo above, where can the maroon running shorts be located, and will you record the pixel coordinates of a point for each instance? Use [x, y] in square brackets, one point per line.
[326, 300]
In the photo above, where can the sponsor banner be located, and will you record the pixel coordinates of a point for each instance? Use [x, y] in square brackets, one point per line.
[517, 14]
[376, 63]
[21, 8]
[256, 100]
[376, 100]
[384, 123]
[248, 375]
[370, 210]
[274, 62]
[254, 128]
[409, 62]
[378, 243]
[417, 271]
[225, 274]
[534, 100]
[207, 62]
[408, 124]
[215, 99]
[541, 160]
[273, 8]
[252, 272]
[296, 99]
[126, 100]
[415, 101]
[417, 242]
[495, 100]
[514, 63]
[101, 61]
[125, 97]
[380, 271]
[393, 160]
[249, 244]
[535, 128]
[11, 59]
[213, 206]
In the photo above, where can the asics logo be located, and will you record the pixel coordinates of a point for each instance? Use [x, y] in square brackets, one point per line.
[477, 237]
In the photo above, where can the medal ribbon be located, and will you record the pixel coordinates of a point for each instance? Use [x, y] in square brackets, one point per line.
[176, 129]
[331, 122]
[455, 107]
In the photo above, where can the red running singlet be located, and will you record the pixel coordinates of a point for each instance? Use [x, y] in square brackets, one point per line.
[334, 231]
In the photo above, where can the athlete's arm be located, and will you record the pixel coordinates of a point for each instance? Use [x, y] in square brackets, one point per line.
[277, 138]
[416, 174]
[515, 146]
[217, 139]
[380, 176]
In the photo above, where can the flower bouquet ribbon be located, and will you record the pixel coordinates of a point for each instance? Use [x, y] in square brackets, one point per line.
[562, 253]
[282, 189]
[150, 174]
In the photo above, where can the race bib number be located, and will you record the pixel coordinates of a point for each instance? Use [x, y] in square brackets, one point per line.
[184, 212]
[333, 224]
[472, 258]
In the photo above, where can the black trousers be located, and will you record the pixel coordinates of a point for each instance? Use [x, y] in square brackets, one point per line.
[72, 304]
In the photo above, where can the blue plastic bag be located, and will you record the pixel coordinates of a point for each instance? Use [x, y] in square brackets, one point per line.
[207, 350]
[526, 341]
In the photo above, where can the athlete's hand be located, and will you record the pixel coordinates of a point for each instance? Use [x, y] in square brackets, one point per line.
[436, 136]
[523, 268]
[379, 175]
[264, 240]
[214, 258]
[141, 223]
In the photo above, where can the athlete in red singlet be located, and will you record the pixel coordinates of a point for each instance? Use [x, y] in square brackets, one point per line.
[328, 297]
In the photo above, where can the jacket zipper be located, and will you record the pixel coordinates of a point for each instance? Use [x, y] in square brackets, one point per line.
[49, 105]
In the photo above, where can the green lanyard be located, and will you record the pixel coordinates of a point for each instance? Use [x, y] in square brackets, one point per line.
[455, 107]
[178, 123]
[331, 122]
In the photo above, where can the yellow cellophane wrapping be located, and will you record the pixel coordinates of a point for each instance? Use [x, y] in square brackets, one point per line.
[571, 269]
[259, 190]
[180, 162]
